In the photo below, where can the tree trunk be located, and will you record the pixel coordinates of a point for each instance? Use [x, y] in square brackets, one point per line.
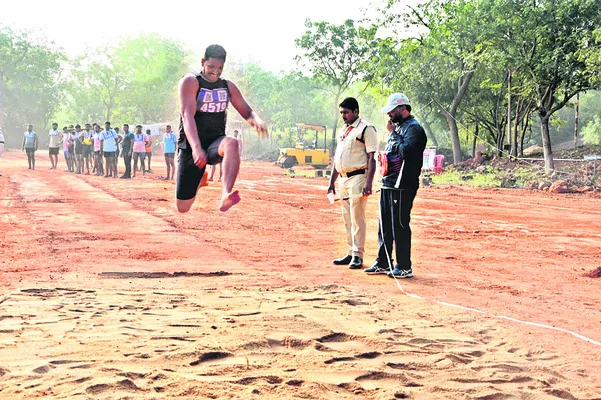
[548, 153]
[500, 139]
[333, 144]
[509, 109]
[430, 134]
[455, 138]
[462, 85]
[475, 139]
[524, 129]
[514, 142]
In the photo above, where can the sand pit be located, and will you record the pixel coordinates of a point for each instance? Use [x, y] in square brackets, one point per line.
[107, 293]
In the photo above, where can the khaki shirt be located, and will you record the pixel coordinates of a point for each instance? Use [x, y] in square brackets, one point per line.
[352, 154]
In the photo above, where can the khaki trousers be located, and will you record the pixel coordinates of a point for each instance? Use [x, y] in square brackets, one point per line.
[353, 212]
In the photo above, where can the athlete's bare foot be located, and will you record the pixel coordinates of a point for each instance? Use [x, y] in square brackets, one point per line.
[229, 201]
[204, 180]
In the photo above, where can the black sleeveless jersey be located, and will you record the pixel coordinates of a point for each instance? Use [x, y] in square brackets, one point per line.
[212, 100]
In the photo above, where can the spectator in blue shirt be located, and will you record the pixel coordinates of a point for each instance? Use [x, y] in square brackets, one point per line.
[169, 143]
[30, 145]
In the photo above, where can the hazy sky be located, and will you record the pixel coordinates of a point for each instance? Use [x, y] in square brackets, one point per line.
[257, 30]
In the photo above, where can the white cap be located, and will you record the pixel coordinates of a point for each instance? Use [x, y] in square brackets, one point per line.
[395, 100]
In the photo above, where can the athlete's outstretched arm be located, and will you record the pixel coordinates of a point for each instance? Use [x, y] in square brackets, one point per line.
[245, 110]
[188, 87]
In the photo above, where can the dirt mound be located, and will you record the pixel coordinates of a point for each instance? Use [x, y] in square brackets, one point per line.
[596, 273]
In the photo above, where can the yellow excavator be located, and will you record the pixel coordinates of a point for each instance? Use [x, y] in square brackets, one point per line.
[303, 154]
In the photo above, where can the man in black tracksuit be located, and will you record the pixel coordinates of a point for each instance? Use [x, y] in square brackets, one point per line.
[404, 154]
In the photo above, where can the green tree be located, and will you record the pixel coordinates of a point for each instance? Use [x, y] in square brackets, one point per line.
[591, 133]
[31, 80]
[135, 81]
[440, 62]
[99, 87]
[557, 43]
[336, 55]
[153, 66]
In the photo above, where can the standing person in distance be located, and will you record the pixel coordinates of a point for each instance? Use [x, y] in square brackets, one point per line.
[1, 143]
[204, 98]
[169, 144]
[55, 138]
[148, 148]
[71, 148]
[30, 145]
[108, 141]
[78, 141]
[98, 166]
[66, 144]
[404, 153]
[87, 146]
[240, 141]
[126, 150]
[354, 163]
[139, 149]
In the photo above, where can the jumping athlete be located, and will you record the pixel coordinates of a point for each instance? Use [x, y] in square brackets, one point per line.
[204, 97]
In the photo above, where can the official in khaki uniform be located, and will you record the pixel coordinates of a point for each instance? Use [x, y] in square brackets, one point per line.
[354, 163]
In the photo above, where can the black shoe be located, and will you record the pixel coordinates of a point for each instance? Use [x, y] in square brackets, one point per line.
[376, 269]
[356, 263]
[125, 177]
[346, 260]
[401, 273]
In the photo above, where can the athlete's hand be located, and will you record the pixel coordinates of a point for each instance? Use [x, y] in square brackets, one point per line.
[332, 189]
[200, 157]
[257, 123]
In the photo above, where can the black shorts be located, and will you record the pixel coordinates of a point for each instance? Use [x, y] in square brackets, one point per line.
[53, 151]
[78, 150]
[188, 174]
[30, 150]
[87, 150]
[117, 153]
[109, 154]
[97, 153]
[139, 155]
[169, 156]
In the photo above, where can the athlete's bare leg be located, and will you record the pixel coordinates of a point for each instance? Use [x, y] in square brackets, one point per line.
[185, 205]
[230, 151]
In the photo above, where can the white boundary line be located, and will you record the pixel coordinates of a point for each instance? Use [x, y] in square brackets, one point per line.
[442, 303]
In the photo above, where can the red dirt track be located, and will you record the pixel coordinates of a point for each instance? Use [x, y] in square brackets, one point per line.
[514, 253]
